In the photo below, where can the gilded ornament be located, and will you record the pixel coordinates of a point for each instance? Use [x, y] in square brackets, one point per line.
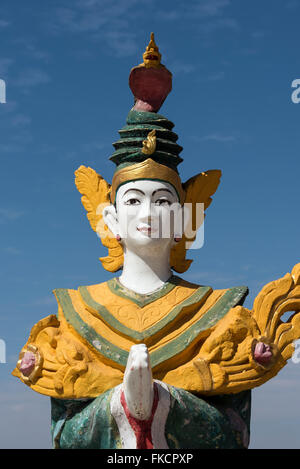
[149, 145]
[151, 56]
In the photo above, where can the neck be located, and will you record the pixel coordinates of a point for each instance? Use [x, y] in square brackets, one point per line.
[145, 272]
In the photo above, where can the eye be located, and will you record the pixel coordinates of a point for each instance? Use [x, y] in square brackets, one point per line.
[132, 201]
[162, 202]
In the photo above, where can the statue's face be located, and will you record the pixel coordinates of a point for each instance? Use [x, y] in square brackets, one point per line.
[147, 214]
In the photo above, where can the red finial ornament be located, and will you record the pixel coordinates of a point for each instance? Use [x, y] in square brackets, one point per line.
[150, 82]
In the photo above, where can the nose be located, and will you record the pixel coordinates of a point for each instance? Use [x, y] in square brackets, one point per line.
[146, 212]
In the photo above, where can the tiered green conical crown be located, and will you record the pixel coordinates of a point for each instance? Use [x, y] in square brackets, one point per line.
[139, 125]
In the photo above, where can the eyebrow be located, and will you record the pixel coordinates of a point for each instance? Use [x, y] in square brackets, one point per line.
[154, 192]
[162, 189]
[133, 189]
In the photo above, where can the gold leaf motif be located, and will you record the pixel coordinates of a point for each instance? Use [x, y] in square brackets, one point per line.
[199, 190]
[149, 145]
[95, 196]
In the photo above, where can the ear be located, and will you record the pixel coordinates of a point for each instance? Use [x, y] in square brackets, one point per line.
[110, 219]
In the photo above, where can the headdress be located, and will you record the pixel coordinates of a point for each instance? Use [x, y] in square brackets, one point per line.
[147, 149]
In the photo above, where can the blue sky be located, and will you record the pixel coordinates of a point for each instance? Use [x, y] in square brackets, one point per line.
[66, 67]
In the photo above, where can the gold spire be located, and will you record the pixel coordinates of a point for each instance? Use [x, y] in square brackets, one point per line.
[151, 55]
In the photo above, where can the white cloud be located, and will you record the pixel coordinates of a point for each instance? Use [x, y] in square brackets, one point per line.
[217, 137]
[20, 120]
[77, 22]
[92, 16]
[4, 24]
[208, 8]
[122, 43]
[248, 51]
[5, 64]
[10, 106]
[292, 4]
[258, 34]
[111, 24]
[32, 77]
[10, 214]
[105, 21]
[275, 411]
[12, 250]
[45, 301]
[181, 67]
[94, 146]
[216, 76]
[219, 23]
[208, 15]
[9, 148]
[194, 9]
[210, 277]
[29, 47]
[25, 417]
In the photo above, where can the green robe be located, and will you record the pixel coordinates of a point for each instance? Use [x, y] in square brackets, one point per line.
[192, 423]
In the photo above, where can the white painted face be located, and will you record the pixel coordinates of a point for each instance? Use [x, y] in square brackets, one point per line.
[147, 213]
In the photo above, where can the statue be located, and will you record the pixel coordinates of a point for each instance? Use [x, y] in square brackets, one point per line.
[147, 359]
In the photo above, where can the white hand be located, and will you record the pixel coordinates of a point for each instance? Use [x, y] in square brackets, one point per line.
[138, 383]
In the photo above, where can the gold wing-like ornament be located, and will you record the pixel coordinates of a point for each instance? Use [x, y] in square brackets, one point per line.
[65, 367]
[199, 190]
[227, 362]
[95, 196]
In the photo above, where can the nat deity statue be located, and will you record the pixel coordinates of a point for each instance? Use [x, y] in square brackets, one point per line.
[148, 359]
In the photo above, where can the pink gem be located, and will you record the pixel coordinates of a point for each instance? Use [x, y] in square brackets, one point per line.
[262, 353]
[27, 364]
